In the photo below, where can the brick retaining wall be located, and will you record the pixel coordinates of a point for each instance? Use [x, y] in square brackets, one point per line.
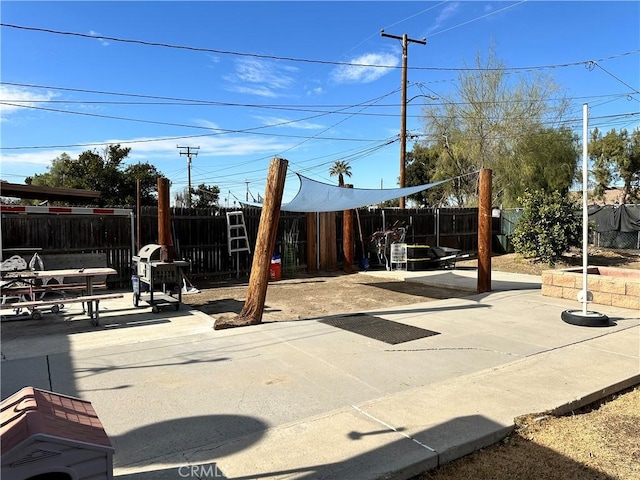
[618, 287]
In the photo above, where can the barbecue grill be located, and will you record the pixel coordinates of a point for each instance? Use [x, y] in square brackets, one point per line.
[160, 280]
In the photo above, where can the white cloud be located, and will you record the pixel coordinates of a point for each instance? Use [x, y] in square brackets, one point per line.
[447, 12]
[210, 146]
[102, 41]
[286, 122]
[35, 158]
[207, 123]
[20, 96]
[316, 91]
[260, 77]
[365, 74]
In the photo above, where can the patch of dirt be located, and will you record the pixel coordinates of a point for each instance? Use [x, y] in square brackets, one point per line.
[308, 296]
[311, 296]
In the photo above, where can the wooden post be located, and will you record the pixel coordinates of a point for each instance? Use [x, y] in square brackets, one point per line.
[484, 231]
[328, 251]
[312, 244]
[348, 243]
[253, 309]
[138, 216]
[164, 221]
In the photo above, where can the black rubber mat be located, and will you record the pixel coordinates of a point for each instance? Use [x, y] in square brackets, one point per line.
[378, 328]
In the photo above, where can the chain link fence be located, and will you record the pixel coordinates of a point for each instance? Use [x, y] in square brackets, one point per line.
[629, 240]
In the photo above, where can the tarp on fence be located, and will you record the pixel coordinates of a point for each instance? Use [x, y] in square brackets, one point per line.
[615, 218]
[322, 197]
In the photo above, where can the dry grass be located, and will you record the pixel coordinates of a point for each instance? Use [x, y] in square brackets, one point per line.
[600, 443]
[514, 263]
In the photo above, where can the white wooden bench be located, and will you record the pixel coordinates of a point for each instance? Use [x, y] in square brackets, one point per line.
[92, 305]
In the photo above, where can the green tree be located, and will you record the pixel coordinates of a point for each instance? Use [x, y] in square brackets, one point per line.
[616, 158]
[340, 168]
[550, 225]
[148, 175]
[544, 159]
[103, 172]
[481, 123]
[205, 196]
[440, 161]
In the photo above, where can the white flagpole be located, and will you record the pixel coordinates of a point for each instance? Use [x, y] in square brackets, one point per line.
[585, 213]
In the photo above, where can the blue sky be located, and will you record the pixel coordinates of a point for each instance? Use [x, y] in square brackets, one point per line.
[254, 80]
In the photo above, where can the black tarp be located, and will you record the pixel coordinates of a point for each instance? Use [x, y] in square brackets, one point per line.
[615, 218]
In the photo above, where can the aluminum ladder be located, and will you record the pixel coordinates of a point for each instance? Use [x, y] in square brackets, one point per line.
[237, 239]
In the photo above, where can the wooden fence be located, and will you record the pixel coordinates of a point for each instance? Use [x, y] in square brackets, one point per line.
[200, 236]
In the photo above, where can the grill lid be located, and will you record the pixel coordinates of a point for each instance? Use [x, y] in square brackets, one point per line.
[150, 253]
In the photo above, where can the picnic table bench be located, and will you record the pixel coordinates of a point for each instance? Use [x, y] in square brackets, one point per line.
[29, 283]
[34, 306]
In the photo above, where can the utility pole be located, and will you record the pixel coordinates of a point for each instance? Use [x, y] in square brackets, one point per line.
[188, 153]
[403, 106]
[247, 197]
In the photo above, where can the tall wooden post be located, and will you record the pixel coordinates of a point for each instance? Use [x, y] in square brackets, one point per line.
[253, 309]
[484, 231]
[164, 221]
[348, 243]
[138, 215]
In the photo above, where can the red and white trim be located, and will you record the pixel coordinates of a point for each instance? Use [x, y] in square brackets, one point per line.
[65, 210]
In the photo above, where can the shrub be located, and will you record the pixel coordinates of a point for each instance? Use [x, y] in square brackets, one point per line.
[550, 225]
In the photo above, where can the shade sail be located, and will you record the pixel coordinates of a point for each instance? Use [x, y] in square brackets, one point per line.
[322, 197]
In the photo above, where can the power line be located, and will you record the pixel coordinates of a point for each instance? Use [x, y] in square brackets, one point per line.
[477, 18]
[294, 59]
[220, 131]
[309, 108]
[635, 90]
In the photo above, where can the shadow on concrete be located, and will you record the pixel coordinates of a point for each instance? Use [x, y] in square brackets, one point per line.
[429, 291]
[449, 279]
[87, 372]
[225, 305]
[199, 435]
[405, 457]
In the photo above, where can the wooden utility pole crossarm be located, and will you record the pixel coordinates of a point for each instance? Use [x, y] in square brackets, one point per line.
[253, 309]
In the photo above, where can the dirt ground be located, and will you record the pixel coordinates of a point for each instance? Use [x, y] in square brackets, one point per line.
[308, 296]
[600, 442]
[311, 296]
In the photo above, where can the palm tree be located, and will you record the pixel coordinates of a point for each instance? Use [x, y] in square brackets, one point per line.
[340, 168]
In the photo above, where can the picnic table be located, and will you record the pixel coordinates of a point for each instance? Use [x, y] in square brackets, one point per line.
[28, 284]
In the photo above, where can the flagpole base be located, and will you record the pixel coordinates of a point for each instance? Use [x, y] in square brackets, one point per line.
[588, 319]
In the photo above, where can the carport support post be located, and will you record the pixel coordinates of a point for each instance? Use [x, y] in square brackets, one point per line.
[484, 231]
[253, 309]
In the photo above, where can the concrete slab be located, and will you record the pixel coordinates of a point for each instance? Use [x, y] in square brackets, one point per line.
[304, 399]
[464, 279]
[27, 372]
